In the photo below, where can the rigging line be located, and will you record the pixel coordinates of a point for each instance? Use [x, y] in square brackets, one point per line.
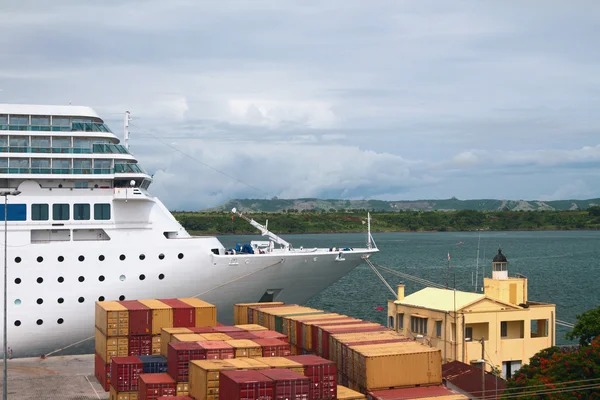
[411, 277]
[71, 345]
[202, 162]
[370, 264]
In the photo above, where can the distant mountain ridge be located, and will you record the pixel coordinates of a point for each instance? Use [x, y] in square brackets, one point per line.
[452, 204]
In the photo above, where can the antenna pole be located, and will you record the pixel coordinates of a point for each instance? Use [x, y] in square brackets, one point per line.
[126, 129]
[368, 230]
[477, 267]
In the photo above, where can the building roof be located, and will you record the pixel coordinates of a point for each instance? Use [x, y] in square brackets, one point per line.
[467, 378]
[440, 299]
[412, 393]
[500, 257]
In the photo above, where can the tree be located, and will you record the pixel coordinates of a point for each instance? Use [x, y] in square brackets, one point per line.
[587, 327]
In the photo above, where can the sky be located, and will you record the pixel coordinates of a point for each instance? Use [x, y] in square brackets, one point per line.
[348, 99]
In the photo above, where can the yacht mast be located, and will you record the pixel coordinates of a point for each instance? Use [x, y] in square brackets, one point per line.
[126, 129]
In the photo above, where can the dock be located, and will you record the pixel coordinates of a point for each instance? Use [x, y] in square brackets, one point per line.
[60, 377]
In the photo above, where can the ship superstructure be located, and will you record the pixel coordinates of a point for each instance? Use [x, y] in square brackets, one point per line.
[82, 227]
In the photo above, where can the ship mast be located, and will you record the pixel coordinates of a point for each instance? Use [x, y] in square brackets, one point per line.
[126, 129]
[263, 230]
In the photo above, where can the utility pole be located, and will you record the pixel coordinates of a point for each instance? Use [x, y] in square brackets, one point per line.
[482, 368]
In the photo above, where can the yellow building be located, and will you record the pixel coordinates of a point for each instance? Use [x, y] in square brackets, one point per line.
[500, 326]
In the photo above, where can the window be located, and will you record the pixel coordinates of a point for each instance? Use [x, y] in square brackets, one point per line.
[3, 162]
[418, 325]
[61, 121]
[81, 212]
[101, 163]
[40, 143]
[60, 212]
[59, 142]
[15, 212]
[503, 329]
[19, 163]
[19, 141]
[19, 119]
[539, 328]
[101, 211]
[39, 212]
[61, 164]
[400, 321]
[40, 165]
[82, 143]
[391, 321]
[468, 333]
[3, 119]
[438, 328]
[39, 120]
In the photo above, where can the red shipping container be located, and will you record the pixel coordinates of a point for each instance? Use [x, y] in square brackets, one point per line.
[341, 329]
[201, 329]
[124, 372]
[184, 315]
[273, 347]
[242, 335]
[140, 317]
[245, 385]
[102, 372]
[140, 345]
[153, 386]
[227, 329]
[270, 335]
[217, 349]
[323, 376]
[314, 329]
[300, 326]
[179, 356]
[175, 398]
[287, 384]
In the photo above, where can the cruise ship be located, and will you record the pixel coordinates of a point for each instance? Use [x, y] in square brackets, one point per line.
[81, 226]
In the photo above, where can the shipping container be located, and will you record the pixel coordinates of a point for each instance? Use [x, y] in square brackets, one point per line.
[140, 317]
[205, 313]
[428, 392]
[184, 315]
[265, 315]
[325, 332]
[288, 385]
[304, 328]
[245, 385]
[255, 315]
[124, 373]
[269, 334]
[153, 386]
[112, 318]
[296, 325]
[287, 325]
[165, 337]
[344, 393]
[216, 336]
[187, 337]
[182, 388]
[275, 316]
[227, 329]
[156, 342]
[242, 335]
[202, 329]
[114, 395]
[315, 327]
[154, 364]
[102, 372]
[251, 327]
[175, 398]
[140, 345]
[179, 356]
[217, 349]
[322, 373]
[273, 347]
[204, 378]
[282, 362]
[162, 315]
[240, 311]
[245, 348]
[108, 347]
[247, 363]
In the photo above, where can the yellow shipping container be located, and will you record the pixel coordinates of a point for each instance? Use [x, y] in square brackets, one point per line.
[247, 363]
[271, 313]
[344, 393]
[156, 344]
[216, 336]
[109, 347]
[162, 315]
[182, 389]
[245, 348]
[204, 378]
[187, 337]
[240, 311]
[282, 362]
[114, 395]
[206, 313]
[251, 327]
[165, 338]
[112, 318]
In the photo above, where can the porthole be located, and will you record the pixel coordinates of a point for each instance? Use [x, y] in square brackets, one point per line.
[61, 259]
[121, 297]
[61, 279]
[40, 301]
[17, 302]
[81, 258]
[81, 279]
[17, 280]
[40, 259]
[81, 299]
[142, 256]
[161, 256]
[101, 257]
[39, 322]
[60, 300]
[142, 277]
[40, 280]
[122, 257]
[101, 298]
[60, 321]
[101, 278]
[161, 276]
[180, 256]
[17, 323]
[17, 259]
[122, 278]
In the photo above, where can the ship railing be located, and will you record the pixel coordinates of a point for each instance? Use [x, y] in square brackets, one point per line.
[73, 127]
[95, 149]
[58, 171]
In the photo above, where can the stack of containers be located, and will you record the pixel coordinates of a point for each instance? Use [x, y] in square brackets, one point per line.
[242, 335]
[288, 384]
[315, 329]
[154, 364]
[124, 372]
[251, 327]
[273, 347]
[288, 328]
[344, 393]
[170, 398]
[325, 332]
[112, 328]
[204, 378]
[322, 374]
[245, 348]
[179, 356]
[184, 315]
[283, 362]
[217, 349]
[241, 313]
[298, 327]
[245, 385]
[304, 329]
[154, 386]
[256, 313]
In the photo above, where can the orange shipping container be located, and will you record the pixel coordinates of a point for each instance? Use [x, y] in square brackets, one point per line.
[187, 337]
[165, 338]
[204, 378]
[114, 395]
[206, 313]
[245, 348]
[162, 315]
[282, 362]
[182, 389]
[112, 318]
[344, 393]
[109, 347]
[216, 336]
[247, 363]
